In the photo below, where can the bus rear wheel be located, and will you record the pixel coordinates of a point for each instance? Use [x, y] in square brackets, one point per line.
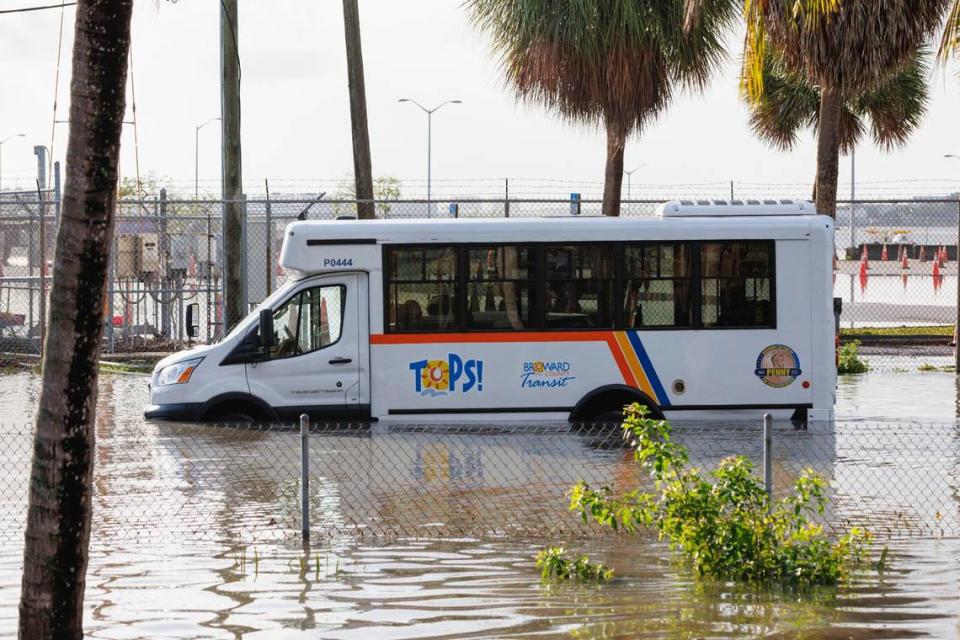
[605, 405]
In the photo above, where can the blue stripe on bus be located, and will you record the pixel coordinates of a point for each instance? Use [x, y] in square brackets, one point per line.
[662, 397]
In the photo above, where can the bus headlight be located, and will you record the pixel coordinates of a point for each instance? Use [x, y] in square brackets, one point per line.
[178, 373]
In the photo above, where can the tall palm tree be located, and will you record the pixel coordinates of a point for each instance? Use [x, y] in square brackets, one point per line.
[789, 104]
[614, 63]
[58, 518]
[850, 51]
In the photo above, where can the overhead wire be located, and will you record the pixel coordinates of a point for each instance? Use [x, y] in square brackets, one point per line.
[40, 8]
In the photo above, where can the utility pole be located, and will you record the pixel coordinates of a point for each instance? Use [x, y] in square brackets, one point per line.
[362, 172]
[233, 294]
[853, 200]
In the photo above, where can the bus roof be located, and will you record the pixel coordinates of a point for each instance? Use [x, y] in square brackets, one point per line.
[554, 229]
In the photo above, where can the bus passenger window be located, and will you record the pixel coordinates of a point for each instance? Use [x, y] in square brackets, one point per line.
[422, 290]
[657, 286]
[579, 287]
[736, 284]
[500, 283]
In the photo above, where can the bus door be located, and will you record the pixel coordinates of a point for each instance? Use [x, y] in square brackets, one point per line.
[314, 365]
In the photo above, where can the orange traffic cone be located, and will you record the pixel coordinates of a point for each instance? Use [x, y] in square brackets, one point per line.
[883, 254]
[904, 260]
[864, 257]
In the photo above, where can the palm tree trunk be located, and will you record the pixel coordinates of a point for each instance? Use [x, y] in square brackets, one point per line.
[58, 519]
[613, 176]
[828, 153]
[363, 174]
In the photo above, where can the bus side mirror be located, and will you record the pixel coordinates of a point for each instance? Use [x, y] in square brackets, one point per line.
[266, 328]
[192, 320]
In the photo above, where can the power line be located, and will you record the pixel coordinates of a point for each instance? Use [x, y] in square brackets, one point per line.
[49, 6]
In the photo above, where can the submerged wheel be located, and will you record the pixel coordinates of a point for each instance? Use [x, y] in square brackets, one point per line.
[605, 405]
[236, 413]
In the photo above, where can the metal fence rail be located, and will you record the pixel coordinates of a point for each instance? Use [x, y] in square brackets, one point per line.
[897, 264]
[244, 482]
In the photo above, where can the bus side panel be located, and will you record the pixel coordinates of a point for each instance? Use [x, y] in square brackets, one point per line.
[822, 322]
[491, 371]
[723, 367]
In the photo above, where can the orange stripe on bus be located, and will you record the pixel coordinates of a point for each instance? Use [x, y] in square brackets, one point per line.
[507, 336]
[628, 377]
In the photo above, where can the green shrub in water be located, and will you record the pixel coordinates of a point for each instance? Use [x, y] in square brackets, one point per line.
[554, 564]
[722, 522]
[849, 359]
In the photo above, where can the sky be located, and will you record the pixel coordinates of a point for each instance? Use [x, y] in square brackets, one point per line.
[296, 122]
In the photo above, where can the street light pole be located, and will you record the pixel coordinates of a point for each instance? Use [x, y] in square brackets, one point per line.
[630, 175]
[196, 157]
[429, 113]
[16, 135]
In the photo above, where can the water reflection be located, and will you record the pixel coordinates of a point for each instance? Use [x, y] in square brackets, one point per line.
[182, 511]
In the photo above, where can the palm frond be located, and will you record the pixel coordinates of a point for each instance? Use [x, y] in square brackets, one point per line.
[860, 44]
[950, 42]
[785, 107]
[612, 61]
[790, 104]
[896, 106]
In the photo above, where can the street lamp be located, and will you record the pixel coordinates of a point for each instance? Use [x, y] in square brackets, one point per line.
[629, 175]
[196, 157]
[16, 135]
[429, 113]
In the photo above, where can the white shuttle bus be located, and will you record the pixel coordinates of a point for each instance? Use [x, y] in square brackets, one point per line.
[707, 307]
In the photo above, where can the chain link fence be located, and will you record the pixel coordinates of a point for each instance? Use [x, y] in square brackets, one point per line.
[896, 271]
[215, 482]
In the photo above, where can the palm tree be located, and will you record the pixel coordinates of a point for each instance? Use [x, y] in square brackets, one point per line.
[58, 518]
[614, 63]
[789, 104]
[847, 53]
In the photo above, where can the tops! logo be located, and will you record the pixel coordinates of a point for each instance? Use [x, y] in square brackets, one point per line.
[439, 377]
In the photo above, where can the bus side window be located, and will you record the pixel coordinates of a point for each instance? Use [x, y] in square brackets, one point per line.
[501, 285]
[658, 288]
[736, 284]
[579, 286]
[423, 288]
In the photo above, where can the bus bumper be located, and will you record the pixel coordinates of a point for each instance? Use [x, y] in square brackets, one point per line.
[181, 411]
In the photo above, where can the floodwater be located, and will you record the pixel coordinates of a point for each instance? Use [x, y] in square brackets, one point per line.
[145, 584]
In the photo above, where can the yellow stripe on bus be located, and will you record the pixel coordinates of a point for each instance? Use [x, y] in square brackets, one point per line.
[634, 363]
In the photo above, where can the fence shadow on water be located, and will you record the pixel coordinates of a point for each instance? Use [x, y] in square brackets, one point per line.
[215, 482]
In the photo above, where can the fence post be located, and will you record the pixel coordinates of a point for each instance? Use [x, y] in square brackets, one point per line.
[506, 197]
[768, 456]
[305, 475]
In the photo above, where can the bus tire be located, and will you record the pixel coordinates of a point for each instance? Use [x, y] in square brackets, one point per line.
[236, 409]
[606, 404]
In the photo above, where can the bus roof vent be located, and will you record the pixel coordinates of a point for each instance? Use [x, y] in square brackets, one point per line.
[710, 208]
